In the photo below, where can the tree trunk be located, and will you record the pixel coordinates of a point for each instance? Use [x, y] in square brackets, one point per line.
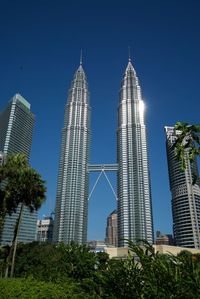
[15, 239]
[12, 252]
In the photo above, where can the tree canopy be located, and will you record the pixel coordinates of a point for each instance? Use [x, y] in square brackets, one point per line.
[21, 185]
[187, 144]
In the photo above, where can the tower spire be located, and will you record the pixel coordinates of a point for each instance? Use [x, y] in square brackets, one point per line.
[81, 57]
[129, 54]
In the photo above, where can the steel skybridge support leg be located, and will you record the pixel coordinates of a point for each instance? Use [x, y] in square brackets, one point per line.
[110, 184]
[95, 185]
[96, 182]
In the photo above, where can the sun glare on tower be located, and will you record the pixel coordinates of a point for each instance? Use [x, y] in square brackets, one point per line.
[141, 107]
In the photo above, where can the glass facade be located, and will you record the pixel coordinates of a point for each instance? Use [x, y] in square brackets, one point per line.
[16, 129]
[134, 196]
[185, 197]
[72, 188]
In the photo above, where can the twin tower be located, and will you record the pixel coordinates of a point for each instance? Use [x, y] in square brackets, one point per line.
[134, 206]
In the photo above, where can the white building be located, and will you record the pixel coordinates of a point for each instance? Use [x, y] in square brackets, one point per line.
[45, 229]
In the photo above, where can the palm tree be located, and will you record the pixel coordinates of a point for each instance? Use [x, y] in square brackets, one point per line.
[187, 144]
[23, 187]
[5, 206]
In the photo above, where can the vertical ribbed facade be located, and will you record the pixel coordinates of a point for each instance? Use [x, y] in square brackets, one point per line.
[16, 130]
[185, 197]
[72, 188]
[134, 195]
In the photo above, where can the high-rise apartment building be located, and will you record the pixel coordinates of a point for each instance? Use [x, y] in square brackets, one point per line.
[185, 196]
[16, 129]
[72, 188]
[111, 229]
[134, 194]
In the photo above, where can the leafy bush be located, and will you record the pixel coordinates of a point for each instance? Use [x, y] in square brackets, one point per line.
[30, 288]
[55, 262]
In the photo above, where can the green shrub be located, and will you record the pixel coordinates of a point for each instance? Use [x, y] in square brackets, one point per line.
[32, 289]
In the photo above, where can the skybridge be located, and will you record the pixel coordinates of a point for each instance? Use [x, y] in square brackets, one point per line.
[102, 169]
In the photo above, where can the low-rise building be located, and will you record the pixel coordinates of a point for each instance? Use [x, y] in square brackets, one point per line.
[122, 252]
[97, 245]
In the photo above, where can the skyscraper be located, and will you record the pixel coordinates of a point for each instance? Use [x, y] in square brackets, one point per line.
[185, 196]
[72, 187]
[111, 229]
[16, 129]
[134, 195]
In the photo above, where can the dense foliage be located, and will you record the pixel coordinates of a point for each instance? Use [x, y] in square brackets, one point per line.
[30, 288]
[73, 269]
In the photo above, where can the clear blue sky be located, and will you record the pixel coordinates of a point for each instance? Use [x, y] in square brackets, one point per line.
[40, 45]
